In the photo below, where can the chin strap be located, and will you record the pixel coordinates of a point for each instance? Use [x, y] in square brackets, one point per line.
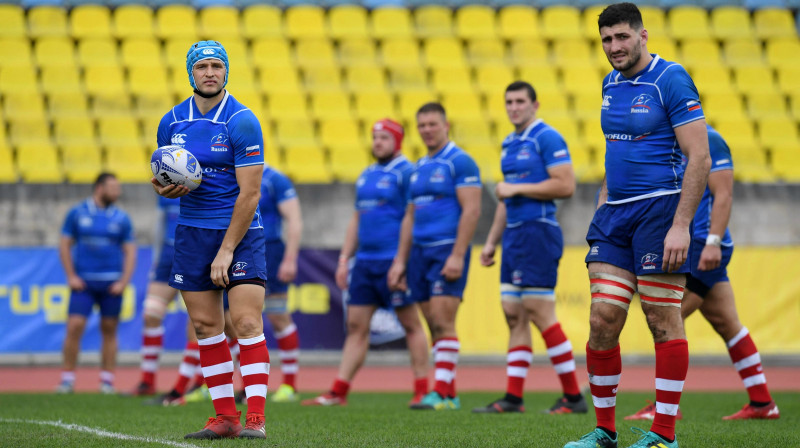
[205, 95]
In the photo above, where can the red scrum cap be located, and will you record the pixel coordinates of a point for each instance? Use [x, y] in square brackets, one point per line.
[392, 127]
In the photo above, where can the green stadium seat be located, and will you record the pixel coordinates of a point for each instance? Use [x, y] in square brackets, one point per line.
[133, 21]
[305, 22]
[518, 22]
[348, 21]
[433, 20]
[13, 19]
[475, 22]
[731, 22]
[90, 21]
[262, 21]
[391, 22]
[47, 21]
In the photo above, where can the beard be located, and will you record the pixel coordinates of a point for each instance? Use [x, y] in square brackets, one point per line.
[635, 56]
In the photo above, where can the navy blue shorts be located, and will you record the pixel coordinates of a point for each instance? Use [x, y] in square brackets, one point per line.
[274, 253]
[368, 285]
[96, 292]
[195, 249]
[700, 282]
[531, 252]
[161, 271]
[424, 279]
[631, 235]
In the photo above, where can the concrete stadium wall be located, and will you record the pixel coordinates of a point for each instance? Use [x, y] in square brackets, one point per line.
[32, 214]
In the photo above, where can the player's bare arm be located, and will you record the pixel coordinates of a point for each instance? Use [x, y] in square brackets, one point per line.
[495, 233]
[64, 252]
[397, 272]
[249, 180]
[602, 195]
[720, 183]
[348, 250]
[128, 266]
[693, 141]
[292, 216]
[560, 185]
[469, 198]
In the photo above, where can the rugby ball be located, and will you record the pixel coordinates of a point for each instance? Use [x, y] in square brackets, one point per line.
[175, 165]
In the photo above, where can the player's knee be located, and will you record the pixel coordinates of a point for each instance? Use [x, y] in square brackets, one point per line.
[248, 327]
[357, 327]
[108, 327]
[155, 308]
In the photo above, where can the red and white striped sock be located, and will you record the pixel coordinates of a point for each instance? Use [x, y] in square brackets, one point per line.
[518, 361]
[233, 346]
[445, 360]
[288, 351]
[255, 372]
[152, 343]
[188, 367]
[559, 349]
[747, 361]
[215, 358]
[605, 369]
[421, 385]
[672, 363]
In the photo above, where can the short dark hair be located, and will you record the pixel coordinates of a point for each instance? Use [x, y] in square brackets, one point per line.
[522, 85]
[102, 178]
[621, 13]
[432, 107]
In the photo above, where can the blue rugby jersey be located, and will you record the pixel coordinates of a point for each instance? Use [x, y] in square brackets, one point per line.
[275, 188]
[99, 234]
[381, 192]
[170, 209]
[226, 138]
[638, 117]
[720, 160]
[433, 193]
[524, 160]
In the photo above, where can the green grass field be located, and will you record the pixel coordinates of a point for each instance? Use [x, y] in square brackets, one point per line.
[377, 420]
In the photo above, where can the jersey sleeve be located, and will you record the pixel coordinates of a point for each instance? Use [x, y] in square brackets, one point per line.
[553, 149]
[162, 135]
[720, 153]
[246, 139]
[680, 96]
[284, 189]
[70, 227]
[127, 230]
[405, 181]
[467, 173]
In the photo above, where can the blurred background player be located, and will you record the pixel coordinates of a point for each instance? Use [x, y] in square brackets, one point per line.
[279, 204]
[440, 220]
[372, 236]
[537, 169]
[708, 287]
[640, 233]
[219, 241]
[98, 253]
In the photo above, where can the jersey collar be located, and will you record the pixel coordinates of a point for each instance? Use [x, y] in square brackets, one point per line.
[193, 110]
[529, 129]
[649, 68]
[442, 152]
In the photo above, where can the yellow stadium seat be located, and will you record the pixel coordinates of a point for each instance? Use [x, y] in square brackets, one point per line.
[294, 132]
[133, 21]
[391, 22]
[488, 160]
[586, 105]
[400, 53]
[47, 21]
[777, 131]
[553, 105]
[178, 81]
[348, 21]
[18, 80]
[152, 106]
[305, 22]
[357, 52]
[322, 78]
[561, 22]
[55, 52]
[655, 21]
[766, 105]
[723, 105]
[288, 105]
[261, 20]
[341, 133]
[74, 131]
[81, 163]
[147, 81]
[32, 130]
[482, 52]
[700, 53]
[518, 22]
[782, 52]
[408, 78]
[663, 46]
[329, 105]
[715, 79]
[794, 106]
[409, 102]
[17, 52]
[272, 52]
[175, 21]
[347, 165]
[688, 22]
[572, 53]
[751, 164]
[24, 106]
[242, 81]
[128, 163]
[315, 53]
[90, 21]
[8, 173]
[219, 23]
[568, 128]
[471, 132]
[529, 53]
[443, 52]
[772, 22]
[728, 22]
[742, 53]
[589, 22]
[307, 164]
[365, 79]
[452, 80]
[543, 79]
[142, 52]
[116, 131]
[98, 53]
[433, 21]
[592, 134]
[738, 132]
[582, 164]
[578, 80]
[496, 107]
[68, 104]
[789, 80]
[475, 22]
[786, 161]
[279, 80]
[463, 106]
[754, 80]
[493, 79]
[104, 81]
[38, 163]
[372, 106]
[107, 105]
[13, 19]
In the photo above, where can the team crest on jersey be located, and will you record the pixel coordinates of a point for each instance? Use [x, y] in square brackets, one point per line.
[649, 261]
[437, 176]
[85, 221]
[238, 269]
[385, 182]
[178, 139]
[641, 104]
[219, 143]
[524, 153]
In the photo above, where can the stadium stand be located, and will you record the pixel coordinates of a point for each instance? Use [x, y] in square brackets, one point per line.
[317, 75]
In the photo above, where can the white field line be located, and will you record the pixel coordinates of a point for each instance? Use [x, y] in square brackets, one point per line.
[98, 432]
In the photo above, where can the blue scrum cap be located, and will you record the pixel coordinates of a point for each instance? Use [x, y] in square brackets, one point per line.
[206, 49]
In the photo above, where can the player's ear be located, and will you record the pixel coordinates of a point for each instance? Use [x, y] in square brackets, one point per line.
[644, 35]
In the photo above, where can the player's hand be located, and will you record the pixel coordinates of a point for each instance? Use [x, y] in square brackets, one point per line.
[396, 277]
[487, 255]
[505, 190]
[710, 258]
[219, 268]
[676, 248]
[76, 283]
[342, 271]
[453, 268]
[117, 288]
[287, 271]
[171, 191]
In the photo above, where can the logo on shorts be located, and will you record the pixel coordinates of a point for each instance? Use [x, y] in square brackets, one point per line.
[516, 277]
[178, 278]
[238, 269]
[438, 288]
[595, 250]
[649, 261]
[397, 298]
